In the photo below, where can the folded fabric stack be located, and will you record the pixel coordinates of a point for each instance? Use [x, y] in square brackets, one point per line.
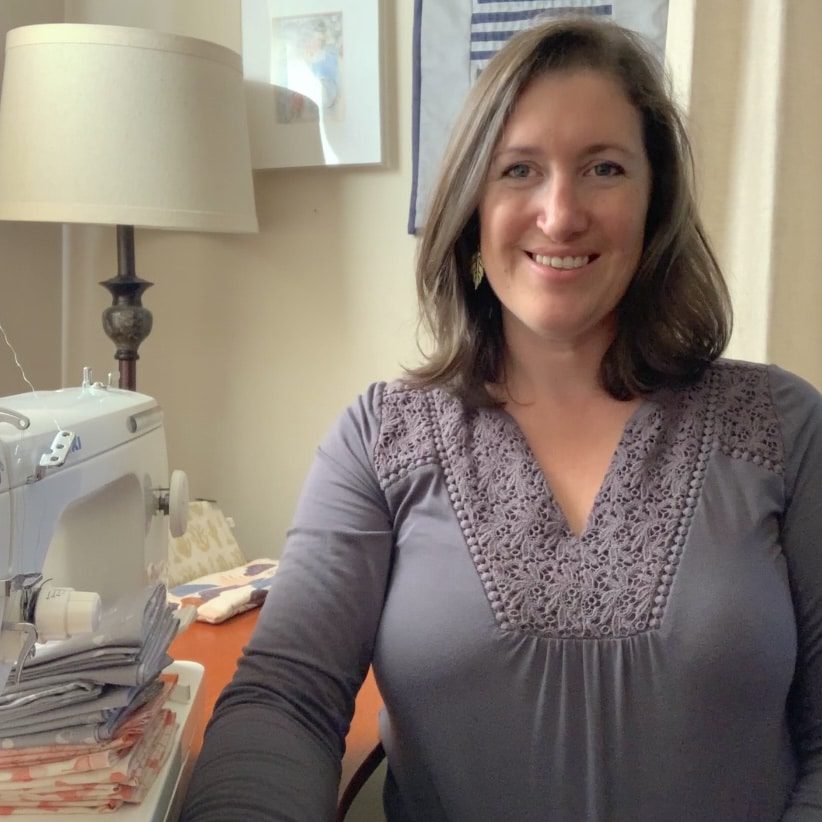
[85, 729]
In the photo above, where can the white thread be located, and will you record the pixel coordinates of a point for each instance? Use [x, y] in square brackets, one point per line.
[28, 381]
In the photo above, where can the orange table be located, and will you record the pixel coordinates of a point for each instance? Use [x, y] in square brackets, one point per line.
[217, 648]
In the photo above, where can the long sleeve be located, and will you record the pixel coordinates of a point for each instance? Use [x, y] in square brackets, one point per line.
[800, 411]
[273, 747]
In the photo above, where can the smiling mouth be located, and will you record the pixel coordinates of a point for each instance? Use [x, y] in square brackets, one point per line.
[565, 263]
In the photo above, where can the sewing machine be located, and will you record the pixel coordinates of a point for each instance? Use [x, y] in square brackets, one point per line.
[83, 492]
[86, 501]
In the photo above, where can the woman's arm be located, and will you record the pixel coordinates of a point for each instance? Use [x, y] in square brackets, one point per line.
[273, 747]
[799, 407]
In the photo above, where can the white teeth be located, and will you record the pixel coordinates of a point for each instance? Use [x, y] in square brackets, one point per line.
[562, 262]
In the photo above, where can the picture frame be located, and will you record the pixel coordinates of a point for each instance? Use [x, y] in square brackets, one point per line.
[313, 80]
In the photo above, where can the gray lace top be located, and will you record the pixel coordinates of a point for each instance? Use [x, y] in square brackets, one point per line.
[664, 666]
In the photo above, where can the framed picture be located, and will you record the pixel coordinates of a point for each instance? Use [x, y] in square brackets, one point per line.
[313, 82]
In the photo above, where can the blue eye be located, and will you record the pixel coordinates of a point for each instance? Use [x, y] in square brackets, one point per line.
[607, 169]
[518, 171]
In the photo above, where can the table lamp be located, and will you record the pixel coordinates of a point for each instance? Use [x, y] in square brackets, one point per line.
[126, 127]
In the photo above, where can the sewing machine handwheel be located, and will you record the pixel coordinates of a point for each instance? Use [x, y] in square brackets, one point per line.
[178, 499]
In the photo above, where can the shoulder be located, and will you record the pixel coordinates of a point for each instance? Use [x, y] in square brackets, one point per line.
[358, 424]
[754, 409]
[396, 428]
[746, 419]
[415, 424]
[758, 392]
[798, 408]
[792, 395]
[403, 405]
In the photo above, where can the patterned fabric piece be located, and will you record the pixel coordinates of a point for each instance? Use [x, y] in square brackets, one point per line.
[207, 546]
[217, 597]
[95, 778]
[614, 579]
[98, 791]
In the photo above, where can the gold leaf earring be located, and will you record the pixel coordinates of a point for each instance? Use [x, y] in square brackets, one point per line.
[477, 269]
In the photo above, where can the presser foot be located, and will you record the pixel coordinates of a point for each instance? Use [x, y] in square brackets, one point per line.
[37, 611]
[18, 635]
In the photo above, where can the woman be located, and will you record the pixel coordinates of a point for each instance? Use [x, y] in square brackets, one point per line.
[580, 552]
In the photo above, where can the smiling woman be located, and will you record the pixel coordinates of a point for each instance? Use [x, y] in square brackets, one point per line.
[562, 213]
[562, 221]
[675, 317]
[579, 550]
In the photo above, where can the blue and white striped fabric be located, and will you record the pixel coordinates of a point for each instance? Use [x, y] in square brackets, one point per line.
[453, 41]
[494, 21]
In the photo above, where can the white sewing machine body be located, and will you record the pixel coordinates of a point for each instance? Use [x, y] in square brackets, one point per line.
[90, 518]
[92, 523]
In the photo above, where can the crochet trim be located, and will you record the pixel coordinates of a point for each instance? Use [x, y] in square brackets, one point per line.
[613, 580]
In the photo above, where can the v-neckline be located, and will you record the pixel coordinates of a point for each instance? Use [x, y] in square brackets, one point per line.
[644, 407]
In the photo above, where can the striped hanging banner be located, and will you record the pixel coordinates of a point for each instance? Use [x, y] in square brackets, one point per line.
[495, 21]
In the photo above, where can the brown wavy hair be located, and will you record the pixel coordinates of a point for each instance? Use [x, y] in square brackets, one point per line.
[675, 317]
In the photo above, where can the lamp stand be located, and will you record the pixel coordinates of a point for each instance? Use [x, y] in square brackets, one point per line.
[126, 321]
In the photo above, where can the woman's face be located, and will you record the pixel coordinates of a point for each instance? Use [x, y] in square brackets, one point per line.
[562, 211]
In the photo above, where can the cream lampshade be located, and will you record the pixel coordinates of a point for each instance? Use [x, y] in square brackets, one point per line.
[127, 127]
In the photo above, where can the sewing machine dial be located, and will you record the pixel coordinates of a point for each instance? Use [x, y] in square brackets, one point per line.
[174, 502]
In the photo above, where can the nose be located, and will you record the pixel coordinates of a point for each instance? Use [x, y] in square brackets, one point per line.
[561, 210]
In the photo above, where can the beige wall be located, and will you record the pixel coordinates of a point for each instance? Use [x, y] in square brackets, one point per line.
[796, 298]
[749, 73]
[261, 340]
[30, 261]
[216, 20]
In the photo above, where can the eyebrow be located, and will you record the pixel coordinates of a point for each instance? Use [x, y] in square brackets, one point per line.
[588, 151]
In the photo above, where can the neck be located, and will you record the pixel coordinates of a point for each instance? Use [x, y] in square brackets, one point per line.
[540, 371]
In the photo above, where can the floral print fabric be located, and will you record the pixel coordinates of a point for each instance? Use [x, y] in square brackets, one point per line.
[217, 597]
[98, 777]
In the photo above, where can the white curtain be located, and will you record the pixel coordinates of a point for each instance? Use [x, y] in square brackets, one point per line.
[749, 74]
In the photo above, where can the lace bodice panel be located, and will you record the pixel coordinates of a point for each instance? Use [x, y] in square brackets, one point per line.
[614, 579]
